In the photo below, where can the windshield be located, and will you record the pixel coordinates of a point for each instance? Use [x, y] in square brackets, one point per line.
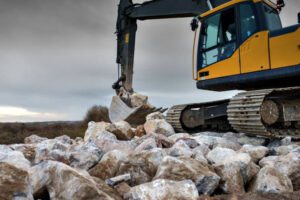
[272, 18]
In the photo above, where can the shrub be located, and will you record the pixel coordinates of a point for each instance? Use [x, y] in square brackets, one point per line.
[97, 114]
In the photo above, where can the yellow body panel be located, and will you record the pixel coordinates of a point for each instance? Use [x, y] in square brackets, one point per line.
[285, 50]
[227, 67]
[225, 5]
[254, 53]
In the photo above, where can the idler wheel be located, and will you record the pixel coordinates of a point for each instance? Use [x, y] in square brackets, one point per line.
[269, 112]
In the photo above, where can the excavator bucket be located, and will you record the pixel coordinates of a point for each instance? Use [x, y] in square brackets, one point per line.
[120, 111]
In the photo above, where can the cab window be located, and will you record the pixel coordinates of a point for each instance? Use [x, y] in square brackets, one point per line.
[217, 38]
[272, 18]
[248, 21]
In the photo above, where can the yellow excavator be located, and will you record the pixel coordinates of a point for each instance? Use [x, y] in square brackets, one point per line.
[242, 46]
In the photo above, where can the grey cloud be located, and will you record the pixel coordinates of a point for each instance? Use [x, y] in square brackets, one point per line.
[58, 56]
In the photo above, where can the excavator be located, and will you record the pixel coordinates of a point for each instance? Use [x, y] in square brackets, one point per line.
[242, 46]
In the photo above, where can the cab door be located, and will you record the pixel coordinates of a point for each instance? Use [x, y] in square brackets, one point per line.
[254, 49]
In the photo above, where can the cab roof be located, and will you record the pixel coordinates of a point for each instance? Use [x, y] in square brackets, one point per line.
[225, 5]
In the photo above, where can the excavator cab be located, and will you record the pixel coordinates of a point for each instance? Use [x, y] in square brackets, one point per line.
[242, 44]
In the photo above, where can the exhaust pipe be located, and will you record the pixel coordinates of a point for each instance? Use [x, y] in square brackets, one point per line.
[299, 18]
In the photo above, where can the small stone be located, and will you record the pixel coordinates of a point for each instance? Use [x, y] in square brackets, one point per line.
[118, 179]
[140, 131]
[122, 188]
[286, 141]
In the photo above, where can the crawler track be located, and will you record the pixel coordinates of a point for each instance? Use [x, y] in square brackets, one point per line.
[245, 113]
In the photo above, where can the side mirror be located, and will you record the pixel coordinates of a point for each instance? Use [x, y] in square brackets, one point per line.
[299, 17]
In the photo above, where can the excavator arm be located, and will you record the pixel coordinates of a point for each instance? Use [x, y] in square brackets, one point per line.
[129, 13]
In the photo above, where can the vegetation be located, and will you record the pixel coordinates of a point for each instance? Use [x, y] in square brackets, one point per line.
[12, 133]
[97, 114]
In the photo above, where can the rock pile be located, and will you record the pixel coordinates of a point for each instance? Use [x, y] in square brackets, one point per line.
[115, 161]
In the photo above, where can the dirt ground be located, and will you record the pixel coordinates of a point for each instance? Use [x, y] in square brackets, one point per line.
[252, 196]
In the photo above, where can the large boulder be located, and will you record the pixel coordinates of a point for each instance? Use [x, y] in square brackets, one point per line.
[288, 165]
[149, 143]
[95, 129]
[123, 130]
[214, 142]
[107, 142]
[161, 140]
[109, 164]
[34, 139]
[177, 136]
[283, 150]
[155, 115]
[162, 189]
[159, 126]
[270, 181]
[60, 181]
[137, 100]
[182, 168]
[14, 176]
[180, 148]
[243, 139]
[225, 156]
[142, 166]
[231, 178]
[256, 152]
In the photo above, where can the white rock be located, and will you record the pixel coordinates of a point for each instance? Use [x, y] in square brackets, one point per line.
[164, 189]
[256, 152]
[214, 142]
[109, 164]
[180, 148]
[142, 166]
[64, 182]
[198, 155]
[34, 139]
[149, 143]
[282, 150]
[14, 177]
[85, 155]
[243, 160]
[138, 100]
[231, 178]
[176, 136]
[183, 168]
[288, 165]
[95, 130]
[270, 181]
[155, 115]
[159, 126]
[123, 130]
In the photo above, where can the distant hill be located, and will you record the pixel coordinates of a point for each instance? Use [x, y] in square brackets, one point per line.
[16, 132]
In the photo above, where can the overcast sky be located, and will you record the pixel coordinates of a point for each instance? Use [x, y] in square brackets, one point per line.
[57, 58]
